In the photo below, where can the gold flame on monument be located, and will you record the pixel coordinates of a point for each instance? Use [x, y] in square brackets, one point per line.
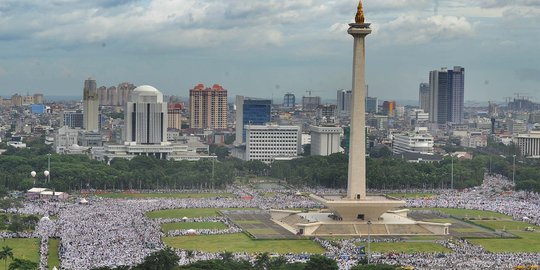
[360, 14]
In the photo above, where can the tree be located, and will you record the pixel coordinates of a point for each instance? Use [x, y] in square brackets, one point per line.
[262, 261]
[319, 262]
[22, 264]
[376, 267]
[5, 253]
[165, 259]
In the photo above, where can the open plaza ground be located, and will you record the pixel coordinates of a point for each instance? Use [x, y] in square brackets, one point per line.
[189, 212]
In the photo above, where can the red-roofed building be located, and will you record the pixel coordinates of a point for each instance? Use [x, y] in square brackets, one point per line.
[208, 107]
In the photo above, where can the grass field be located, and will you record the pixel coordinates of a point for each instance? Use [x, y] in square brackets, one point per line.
[408, 247]
[23, 248]
[509, 225]
[241, 243]
[189, 212]
[53, 258]
[462, 213]
[165, 227]
[164, 195]
[441, 220]
[528, 242]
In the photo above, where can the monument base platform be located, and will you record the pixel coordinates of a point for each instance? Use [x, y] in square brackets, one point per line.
[392, 223]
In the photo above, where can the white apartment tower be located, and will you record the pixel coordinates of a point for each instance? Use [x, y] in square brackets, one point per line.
[146, 116]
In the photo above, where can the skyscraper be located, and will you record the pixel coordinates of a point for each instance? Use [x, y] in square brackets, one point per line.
[424, 97]
[389, 108]
[310, 103]
[446, 95]
[344, 98]
[250, 111]
[456, 91]
[146, 117]
[372, 105]
[175, 115]
[90, 105]
[208, 107]
[289, 101]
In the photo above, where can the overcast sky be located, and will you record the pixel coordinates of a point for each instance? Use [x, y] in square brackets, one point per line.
[262, 48]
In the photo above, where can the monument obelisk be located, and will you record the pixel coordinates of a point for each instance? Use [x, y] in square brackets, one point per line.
[356, 184]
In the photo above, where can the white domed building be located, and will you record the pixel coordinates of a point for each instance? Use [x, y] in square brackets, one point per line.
[146, 116]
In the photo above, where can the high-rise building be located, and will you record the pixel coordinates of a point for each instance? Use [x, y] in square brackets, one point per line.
[208, 107]
[73, 119]
[146, 117]
[123, 92]
[389, 108]
[289, 101]
[446, 95]
[372, 105]
[250, 111]
[325, 140]
[310, 103]
[424, 97]
[344, 98]
[268, 143]
[90, 105]
[327, 111]
[16, 100]
[174, 112]
[456, 92]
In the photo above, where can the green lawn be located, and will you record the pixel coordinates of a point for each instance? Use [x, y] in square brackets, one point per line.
[509, 225]
[467, 230]
[528, 242]
[164, 195]
[441, 220]
[54, 257]
[23, 248]
[408, 247]
[462, 213]
[241, 243]
[192, 225]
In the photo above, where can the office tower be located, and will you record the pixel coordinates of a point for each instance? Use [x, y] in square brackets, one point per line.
[250, 111]
[270, 142]
[146, 117]
[38, 98]
[289, 101]
[327, 111]
[372, 105]
[344, 98]
[389, 108]
[424, 97]
[446, 95]
[456, 91]
[73, 119]
[16, 100]
[310, 103]
[325, 140]
[90, 105]
[174, 111]
[208, 107]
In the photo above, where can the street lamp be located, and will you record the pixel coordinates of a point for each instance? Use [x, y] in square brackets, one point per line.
[452, 179]
[34, 174]
[368, 241]
[47, 172]
[514, 171]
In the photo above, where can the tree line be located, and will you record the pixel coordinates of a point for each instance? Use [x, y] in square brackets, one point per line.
[75, 172]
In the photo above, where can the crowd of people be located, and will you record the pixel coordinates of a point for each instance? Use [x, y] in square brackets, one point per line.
[114, 232]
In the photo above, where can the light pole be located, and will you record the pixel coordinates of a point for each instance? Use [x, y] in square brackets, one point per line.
[33, 174]
[368, 241]
[514, 171]
[48, 171]
[452, 178]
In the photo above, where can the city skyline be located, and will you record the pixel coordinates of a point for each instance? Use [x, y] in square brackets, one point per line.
[51, 47]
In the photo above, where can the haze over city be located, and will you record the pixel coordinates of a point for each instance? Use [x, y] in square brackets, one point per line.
[263, 48]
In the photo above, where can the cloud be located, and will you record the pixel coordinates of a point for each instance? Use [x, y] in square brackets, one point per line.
[528, 74]
[409, 29]
[506, 3]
